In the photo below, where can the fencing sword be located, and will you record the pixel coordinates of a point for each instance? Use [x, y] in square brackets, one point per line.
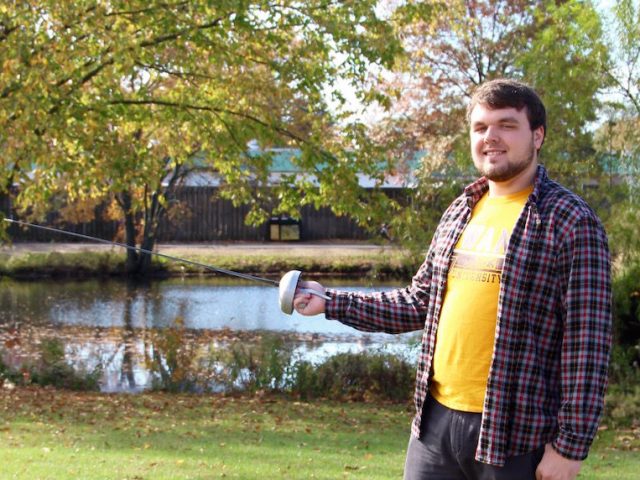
[288, 284]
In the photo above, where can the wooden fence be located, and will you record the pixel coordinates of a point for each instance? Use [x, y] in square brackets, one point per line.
[205, 218]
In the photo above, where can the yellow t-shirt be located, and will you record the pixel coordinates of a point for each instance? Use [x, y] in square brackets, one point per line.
[466, 330]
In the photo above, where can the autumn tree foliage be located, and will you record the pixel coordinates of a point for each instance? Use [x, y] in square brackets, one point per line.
[113, 99]
[451, 48]
[618, 137]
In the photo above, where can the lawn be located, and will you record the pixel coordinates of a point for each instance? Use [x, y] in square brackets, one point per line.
[49, 434]
[58, 435]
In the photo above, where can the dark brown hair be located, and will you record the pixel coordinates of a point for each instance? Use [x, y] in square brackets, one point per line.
[505, 93]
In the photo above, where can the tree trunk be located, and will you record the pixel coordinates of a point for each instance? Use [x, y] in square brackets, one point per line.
[139, 263]
[153, 215]
[124, 199]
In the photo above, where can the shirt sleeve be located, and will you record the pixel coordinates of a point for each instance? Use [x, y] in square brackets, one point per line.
[585, 271]
[395, 311]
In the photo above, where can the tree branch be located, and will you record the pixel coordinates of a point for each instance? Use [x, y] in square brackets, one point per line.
[6, 31]
[148, 43]
[627, 92]
[146, 10]
[205, 108]
[180, 33]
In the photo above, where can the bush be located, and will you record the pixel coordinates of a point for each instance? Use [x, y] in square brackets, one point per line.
[270, 365]
[625, 359]
[7, 374]
[264, 365]
[626, 305]
[52, 369]
[172, 360]
[623, 369]
[355, 377]
[622, 407]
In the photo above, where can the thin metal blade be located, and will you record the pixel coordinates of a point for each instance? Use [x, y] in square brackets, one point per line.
[142, 250]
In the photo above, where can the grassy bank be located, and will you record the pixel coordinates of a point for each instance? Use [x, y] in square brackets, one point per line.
[373, 262]
[64, 435]
[60, 435]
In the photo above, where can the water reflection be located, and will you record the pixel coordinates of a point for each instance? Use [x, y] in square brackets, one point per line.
[122, 328]
[203, 303]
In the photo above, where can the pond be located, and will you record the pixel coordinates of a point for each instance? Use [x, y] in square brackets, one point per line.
[132, 332]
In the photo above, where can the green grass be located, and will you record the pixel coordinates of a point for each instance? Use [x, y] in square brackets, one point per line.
[390, 263]
[49, 434]
[60, 435]
[61, 264]
[615, 455]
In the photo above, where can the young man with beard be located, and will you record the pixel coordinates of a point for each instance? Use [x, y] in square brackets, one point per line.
[514, 298]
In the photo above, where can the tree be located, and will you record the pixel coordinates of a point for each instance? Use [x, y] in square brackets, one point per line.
[624, 41]
[112, 99]
[453, 47]
[564, 62]
[618, 138]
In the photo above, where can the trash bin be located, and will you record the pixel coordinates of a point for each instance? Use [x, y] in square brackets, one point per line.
[284, 229]
[274, 229]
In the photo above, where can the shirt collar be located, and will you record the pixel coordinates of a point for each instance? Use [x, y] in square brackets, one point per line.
[477, 189]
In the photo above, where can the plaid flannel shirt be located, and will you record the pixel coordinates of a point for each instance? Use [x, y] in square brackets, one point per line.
[550, 360]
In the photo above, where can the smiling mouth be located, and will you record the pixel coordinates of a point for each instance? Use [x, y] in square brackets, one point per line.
[493, 153]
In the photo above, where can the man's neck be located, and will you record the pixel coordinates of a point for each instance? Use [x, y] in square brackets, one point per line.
[516, 184]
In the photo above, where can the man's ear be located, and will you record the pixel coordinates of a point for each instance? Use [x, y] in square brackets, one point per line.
[538, 137]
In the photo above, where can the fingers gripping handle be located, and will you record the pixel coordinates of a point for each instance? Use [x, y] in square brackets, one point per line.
[315, 293]
[288, 286]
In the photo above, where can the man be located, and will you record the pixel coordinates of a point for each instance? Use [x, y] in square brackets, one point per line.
[514, 297]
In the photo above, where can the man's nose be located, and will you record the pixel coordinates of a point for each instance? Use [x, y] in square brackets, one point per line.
[491, 135]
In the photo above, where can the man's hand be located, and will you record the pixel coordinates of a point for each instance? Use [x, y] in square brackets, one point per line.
[307, 304]
[554, 466]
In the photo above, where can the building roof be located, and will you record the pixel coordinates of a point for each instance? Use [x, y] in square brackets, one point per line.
[283, 163]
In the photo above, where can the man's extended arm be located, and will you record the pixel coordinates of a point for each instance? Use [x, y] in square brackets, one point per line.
[395, 311]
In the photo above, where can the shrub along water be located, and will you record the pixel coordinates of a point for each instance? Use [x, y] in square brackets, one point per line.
[266, 364]
[355, 376]
[270, 364]
[51, 369]
[263, 365]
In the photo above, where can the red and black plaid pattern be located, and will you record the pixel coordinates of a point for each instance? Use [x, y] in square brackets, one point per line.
[553, 334]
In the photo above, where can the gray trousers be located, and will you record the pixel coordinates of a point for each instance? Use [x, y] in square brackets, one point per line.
[447, 447]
